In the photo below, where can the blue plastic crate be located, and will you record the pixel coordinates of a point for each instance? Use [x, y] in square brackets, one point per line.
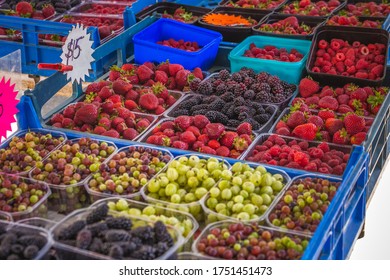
[147, 49]
[288, 71]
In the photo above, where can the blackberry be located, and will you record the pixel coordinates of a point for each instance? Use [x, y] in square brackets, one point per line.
[209, 99]
[226, 107]
[97, 228]
[188, 104]
[199, 107]
[249, 94]
[255, 124]
[216, 83]
[278, 89]
[230, 113]
[30, 252]
[205, 88]
[115, 235]
[220, 89]
[227, 96]
[119, 223]
[262, 118]
[10, 238]
[97, 214]
[265, 87]
[217, 117]
[129, 247]
[162, 234]
[279, 98]
[17, 249]
[248, 71]
[37, 240]
[270, 110]
[145, 253]
[273, 81]
[96, 245]
[256, 106]
[224, 75]
[217, 105]
[71, 231]
[200, 112]
[230, 85]
[255, 87]
[262, 77]
[161, 248]
[233, 123]
[237, 77]
[145, 233]
[239, 89]
[116, 252]
[194, 85]
[243, 116]
[263, 96]
[290, 89]
[239, 101]
[4, 251]
[84, 239]
[241, 109]
[182, 112]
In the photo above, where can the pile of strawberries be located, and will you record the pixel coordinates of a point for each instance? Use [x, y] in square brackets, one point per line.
[339, 57]
[52, 40]
[291, 153]
[171, 75]
[254, 4]
[120, 93]
[26, 10]
[354, 21]
[10, 34]
[102, 9]
[182, 15]
[92, 118]
[324, 125]
[364, 101]
[289, 25]
[368, 9]
[197, 133]
[310, 8]
[180, 44]
[273, 53]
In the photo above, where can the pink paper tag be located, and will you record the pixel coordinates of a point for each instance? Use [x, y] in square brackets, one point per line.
[8, 104]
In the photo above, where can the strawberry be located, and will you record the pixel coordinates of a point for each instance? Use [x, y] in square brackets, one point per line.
[105, 93]
[328, 102]
[201, 121]
[359, 94]
[197, 72]
[144, 73]
[188, 137]
[163, 66]
[99, 130]
[207, 150]
[377, 71]
[159, 110]
[295, 119]
[240, 144]
[167, 125]
[354, 123]
[143, 124]
[121, 87]
[116, 121]
[48, 10]
[67, 123]
[105, 122]
[228, 139]
[160, 91]
[170, 100]
[197, 145]
[130, 133]
[283, 131]
[343, 109]
[214, 130]
[87, 114]
[326, 114]
[115, 98]
[160, 76]
[181, 77]
[222, 151]
[194, 130]
[305, 131]
[316, 120]
[130, 104]
[214, 144]
[124, 113]
[111, 133]
[128, 68]
[180, 145]
[86, 128]
[204, 138]
[358, 138]
[308, 87]
[148, 102]
[94, 87]
[174, 68]
[244, 128]
[183, 122]
[24, 9]
[341, 137]
[56, 118]
[108, 107]
[332, 125]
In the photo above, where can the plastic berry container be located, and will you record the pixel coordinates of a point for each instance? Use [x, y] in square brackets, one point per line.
[350, 34]
[191, 256]
[135, 208]
[22, 229]
[301, 239]
[45, 153]
[4, 216]
[195, 207]
[38, 209]
[280, 10]
[160, 8]
[65, 198]
[357, 2]
[313, 22]
[234, 33]
[288, 71]
[69, 252]
[212, 216]
[274, 208]
[84, 8]
[147, 49]
[227, 3]
[95, 195]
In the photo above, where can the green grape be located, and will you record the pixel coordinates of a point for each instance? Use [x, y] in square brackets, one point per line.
[235, 190]
[226, 194]
[172, 174]
[220, 206]
[208, 183]
[122, 205]
[257, 200]
[202, 175]
[237, 207]
[193, 182]
[237, 167]
[238, 199]
[175, 198]
[189, 197]
[161, 193]
[182, 181]
[214, 192]
[170, 189]
[134, 212]
[266, 190]
[277, 186]
[266, 199]
[255, 178]
[229, 204]
[149, 210]
[243, 216]
[193, 160]
[266, 180]
[164, 181]
[223, 184]
[226, 175]
[244, 194]
[200, 192]
[183, 160]
[237, 181]
[249, 208]
[211, 203]
[190, 173]
[195, 209]
[182, 169]
[249, 187]
[111, 205]
[212, 165]
[261, 169]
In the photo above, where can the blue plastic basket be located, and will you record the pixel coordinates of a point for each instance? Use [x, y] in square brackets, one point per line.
[147, 49]
[288, 71]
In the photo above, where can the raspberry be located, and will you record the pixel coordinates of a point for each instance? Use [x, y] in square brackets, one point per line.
[274, 151]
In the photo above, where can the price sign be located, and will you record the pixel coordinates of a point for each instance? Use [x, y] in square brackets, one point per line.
[8, 104]
[77, 52]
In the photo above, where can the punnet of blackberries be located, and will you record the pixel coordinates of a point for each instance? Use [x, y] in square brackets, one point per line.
[261, 87]
[20, 243]
[116, 237]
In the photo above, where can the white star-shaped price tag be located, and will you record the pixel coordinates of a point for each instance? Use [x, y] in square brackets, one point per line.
[77, 52]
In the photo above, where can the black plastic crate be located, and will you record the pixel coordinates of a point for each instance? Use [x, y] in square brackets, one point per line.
[313, 22]
[224, 3]
[366, 1]
[336, 10]
[234, 33]
[158, 10]
[363, 35]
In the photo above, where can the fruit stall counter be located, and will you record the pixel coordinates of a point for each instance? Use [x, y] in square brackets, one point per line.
[216, 156]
